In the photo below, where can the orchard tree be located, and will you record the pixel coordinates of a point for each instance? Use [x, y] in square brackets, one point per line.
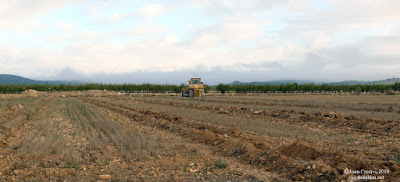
[223, 88]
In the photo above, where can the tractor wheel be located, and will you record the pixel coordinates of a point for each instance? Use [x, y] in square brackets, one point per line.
[191, 94]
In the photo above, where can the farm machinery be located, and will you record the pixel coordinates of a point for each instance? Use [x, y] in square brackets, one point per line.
[195, 88]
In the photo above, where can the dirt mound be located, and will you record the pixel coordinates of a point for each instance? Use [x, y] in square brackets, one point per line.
[300, 150]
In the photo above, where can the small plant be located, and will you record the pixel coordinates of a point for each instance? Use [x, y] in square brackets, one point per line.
[194, 151]
[368, 137]
[220, 164]
[397, 159]
[19, 165]
[240, 150]
[74, 165]
[28, 116]
[106, 161]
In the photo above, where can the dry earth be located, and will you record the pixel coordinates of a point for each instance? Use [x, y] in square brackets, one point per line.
[138, 137]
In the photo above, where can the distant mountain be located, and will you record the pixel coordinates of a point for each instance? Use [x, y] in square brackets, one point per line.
[387, 81]
[6, 79]
[276, 82]
[355, 82]
[349, 82]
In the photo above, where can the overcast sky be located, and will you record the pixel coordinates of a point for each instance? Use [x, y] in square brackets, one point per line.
[219, 40]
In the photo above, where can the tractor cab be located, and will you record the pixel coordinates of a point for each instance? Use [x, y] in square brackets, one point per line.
[195, 81]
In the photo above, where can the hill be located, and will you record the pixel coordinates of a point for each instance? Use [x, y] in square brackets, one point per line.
[6, 79]
[387, 81]
[275, 82]
[355, 82]
[348, 82]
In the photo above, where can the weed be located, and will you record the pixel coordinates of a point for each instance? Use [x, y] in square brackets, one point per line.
[368, 137]
[75, 165]
[106, 161]
[28, 115]
[220, 164]
[19, 165]
[397, 159]
[240, 150]
[193, 151]
[53, 151]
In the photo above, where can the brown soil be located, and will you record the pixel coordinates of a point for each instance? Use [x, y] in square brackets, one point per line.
[153, 138]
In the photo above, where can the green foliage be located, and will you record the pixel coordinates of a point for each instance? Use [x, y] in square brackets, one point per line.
[145, 88]
[223, 88]
[220, 164]
[106, 161]
[287, 88]
[207, 88]
[74, 164]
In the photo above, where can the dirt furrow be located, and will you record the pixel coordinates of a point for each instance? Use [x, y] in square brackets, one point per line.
[20, 122]
[288, 158]
[389, 108]
[318, 120]
[185, 152]
[344, 139]
[10, 109]
[17, 133]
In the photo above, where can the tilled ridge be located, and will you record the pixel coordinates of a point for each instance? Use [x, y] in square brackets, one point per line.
[331, 119]
[288, 159]
[202, 169]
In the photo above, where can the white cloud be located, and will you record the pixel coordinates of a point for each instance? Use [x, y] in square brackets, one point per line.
[151, 10]
[278, 37]
[27, 8]
[22, 26]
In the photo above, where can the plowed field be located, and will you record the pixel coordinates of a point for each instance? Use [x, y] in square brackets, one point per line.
[214, 138]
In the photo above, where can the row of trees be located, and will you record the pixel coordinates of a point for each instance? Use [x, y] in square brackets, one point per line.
[147, 88]
[156, 88]
[285, 88]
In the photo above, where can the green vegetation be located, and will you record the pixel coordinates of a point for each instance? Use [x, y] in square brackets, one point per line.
[288, 88]
[220, 164]
[146, 88]
[223, 88]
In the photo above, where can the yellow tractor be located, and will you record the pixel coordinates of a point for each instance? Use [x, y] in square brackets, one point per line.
[195, 88]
